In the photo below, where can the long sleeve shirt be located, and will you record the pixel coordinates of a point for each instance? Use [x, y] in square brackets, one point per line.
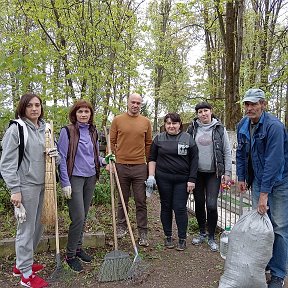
[84, 164]
[131, 138]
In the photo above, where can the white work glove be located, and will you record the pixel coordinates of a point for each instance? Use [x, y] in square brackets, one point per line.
[53, 152]
[67, 191]
[150, 185]
[20, 213]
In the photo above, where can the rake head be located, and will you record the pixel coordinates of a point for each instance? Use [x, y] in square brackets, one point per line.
[115, 267]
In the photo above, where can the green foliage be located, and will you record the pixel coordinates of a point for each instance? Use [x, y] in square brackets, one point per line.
[7, 227]
[112, 50]
[102, 189]
[5, 204]
[193, 225]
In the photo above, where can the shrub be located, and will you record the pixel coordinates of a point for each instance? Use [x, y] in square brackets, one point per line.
[5, 204]
[102, 189]
[192, 225]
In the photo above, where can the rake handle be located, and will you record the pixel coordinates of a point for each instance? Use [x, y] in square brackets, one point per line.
[58, 260]
[124, 208]
[112, 192]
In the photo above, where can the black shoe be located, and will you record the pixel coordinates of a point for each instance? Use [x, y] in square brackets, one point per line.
[168, 242]
[83, 256]
[74, 264]
[181, 245]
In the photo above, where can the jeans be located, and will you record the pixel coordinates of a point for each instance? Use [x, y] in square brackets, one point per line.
[206, 192]
[278, 214]
[173, 196]
[82, 193]
[135, 175]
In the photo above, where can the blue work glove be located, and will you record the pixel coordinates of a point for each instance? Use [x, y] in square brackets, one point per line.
[150, 185]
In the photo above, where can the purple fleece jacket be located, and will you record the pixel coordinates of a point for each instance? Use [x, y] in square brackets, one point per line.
[84, 165]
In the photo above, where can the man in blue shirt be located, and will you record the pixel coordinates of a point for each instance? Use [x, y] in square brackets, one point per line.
[262, 164]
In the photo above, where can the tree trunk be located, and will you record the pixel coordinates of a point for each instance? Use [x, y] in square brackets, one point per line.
[286, 110]
[229, 69]
[165, 8]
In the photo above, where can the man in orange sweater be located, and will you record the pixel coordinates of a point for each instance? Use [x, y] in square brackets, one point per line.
[131, 138]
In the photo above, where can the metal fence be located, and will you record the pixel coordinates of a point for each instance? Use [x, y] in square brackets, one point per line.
[231, 204]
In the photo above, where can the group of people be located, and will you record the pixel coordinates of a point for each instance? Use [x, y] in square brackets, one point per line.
[79, 166]
[179, 162]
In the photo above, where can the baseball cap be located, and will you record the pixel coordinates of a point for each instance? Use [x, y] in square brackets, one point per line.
[254, 95]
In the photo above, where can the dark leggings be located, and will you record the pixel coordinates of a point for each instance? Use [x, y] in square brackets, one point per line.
[173, 196]
[79, 204]
[206, 192]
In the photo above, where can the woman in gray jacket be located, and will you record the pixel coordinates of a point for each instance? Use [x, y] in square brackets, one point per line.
[26, 184]
[215, 164]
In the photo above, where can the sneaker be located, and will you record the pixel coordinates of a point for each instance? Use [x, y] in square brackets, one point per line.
[121, 232]
[74, 264]
[143, 240]
[276, 282]
[213, 245]
[199, 239]
[35, 268]
[181, 245]
[83, 256]
[33, 281]
[168, 242]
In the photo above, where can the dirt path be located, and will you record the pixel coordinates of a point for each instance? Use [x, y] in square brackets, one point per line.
[196, 267]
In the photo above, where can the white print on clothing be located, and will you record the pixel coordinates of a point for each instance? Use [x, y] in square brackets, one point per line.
[182, 149]
[205, 139]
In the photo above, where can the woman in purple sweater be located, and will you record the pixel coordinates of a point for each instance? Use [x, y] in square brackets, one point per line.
[79, 169]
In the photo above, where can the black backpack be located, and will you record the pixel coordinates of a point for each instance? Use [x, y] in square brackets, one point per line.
[23, 136]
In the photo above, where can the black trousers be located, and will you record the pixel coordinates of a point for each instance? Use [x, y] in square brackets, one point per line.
[206, 193]
[173, 196]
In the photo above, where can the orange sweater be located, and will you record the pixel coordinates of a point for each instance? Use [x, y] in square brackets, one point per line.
[131, 138]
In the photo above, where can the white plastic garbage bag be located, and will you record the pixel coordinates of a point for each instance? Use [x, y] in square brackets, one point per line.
[249, 251]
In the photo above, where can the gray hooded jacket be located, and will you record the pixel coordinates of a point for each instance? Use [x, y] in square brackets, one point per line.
[32, 168]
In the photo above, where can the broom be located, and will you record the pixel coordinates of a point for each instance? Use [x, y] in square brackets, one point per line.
[117, 263]
[48, 216]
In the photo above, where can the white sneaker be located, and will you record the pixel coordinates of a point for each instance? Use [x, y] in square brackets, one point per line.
[213, 245]
[199, 239]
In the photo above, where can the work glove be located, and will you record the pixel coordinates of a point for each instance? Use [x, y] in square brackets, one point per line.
[67, 191]
[110, 157]
[53, 152]
[20, 213]
[150, 185]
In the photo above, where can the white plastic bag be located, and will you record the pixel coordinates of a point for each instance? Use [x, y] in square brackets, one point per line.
[249, 251]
